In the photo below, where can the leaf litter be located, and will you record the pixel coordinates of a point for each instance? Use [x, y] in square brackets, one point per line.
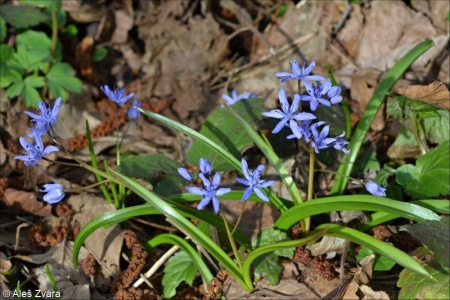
[167, 42]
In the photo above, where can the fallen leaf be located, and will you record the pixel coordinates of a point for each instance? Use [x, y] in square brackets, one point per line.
[435, 93]
[371, 294]
[25, 202]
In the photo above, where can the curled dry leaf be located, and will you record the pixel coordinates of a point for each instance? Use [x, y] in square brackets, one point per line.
[25, 202]
[435, 93]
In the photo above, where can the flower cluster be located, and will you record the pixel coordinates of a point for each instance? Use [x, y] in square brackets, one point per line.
[118, 96]
[210, 190]
[301, 123]
[44, 122]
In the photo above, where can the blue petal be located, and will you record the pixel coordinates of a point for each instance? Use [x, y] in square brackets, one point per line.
[279, 126]
[203, 203]
[243, 181]
[185, 174]
[244, 166]
[276, 113]
[247, 193]
[196, 190]
[260, 194]
[222, 191]
[205, 166]
[283, 100]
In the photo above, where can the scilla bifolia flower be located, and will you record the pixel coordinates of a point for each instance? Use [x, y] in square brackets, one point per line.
[299, 74]
[210, 192]
[55, 192]
[34, 152]
[205, 168]
[117, 95]
[375, 189]
[235, 98]
[47, 118]
[252, 181]
[133, 113]
[289, 116]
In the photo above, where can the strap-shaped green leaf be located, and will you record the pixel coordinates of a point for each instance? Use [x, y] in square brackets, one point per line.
[353, 202]
[378, 96]
[186, 247]
[376, 245]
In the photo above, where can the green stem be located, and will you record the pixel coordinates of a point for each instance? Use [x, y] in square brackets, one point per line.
[239, 218]
[312, 156]
[84, 188]
[232, 242]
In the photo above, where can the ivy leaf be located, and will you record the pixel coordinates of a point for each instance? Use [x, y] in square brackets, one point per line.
[267, 266]
[179, 268]
[60, 77]
[161, 171]
[221, 128]
[417, 286]
[22, 16]
[435, 235]
[433, 167]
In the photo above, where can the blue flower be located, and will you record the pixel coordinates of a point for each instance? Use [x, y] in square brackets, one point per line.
[205, 168]
[133, 113]
[334, 94]
[340, 144]
[299, 74]
[55, 192]
[252, 181]
[47, 118]
[316, 94]
[210, 192]
[235, 98]
[117, 95]
[35, 152]
[321, 141]
[289, 116]
[375, 189]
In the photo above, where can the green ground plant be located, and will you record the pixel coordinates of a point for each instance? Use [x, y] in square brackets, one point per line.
[220, 146]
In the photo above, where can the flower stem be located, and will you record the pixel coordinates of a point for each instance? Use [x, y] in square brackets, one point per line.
[239, 218]
[85, 188]
[312, 156]
[232, 242]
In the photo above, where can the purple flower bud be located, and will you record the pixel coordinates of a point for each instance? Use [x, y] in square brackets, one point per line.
[375, 189]
[55, 192]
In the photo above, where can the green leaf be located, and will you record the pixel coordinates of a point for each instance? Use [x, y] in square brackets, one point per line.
[270, 236]
[34, 81]
[31, 96]
[71, 30]
[367, 160]
[56, 4]
[34, 40]
[15, 89]
[180, 267]
[185, 247]
[418, 286]
[6, 52]
[22, 16]
[436, 127]
[267, 266]
[228, 135]
[353, 202]
[13, 76]
[160, 170]
[433, 167]
[60, 77]
[384, 175]
[381, 263]
[435, 235]
[375, 102]
[99, 54]
[2, 30]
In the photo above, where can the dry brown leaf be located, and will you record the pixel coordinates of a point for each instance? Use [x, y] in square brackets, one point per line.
[25, 202]
[105, 244]
[327, 244]
[370, 294]
[435, 93]
[72, 284]
[124, 22]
